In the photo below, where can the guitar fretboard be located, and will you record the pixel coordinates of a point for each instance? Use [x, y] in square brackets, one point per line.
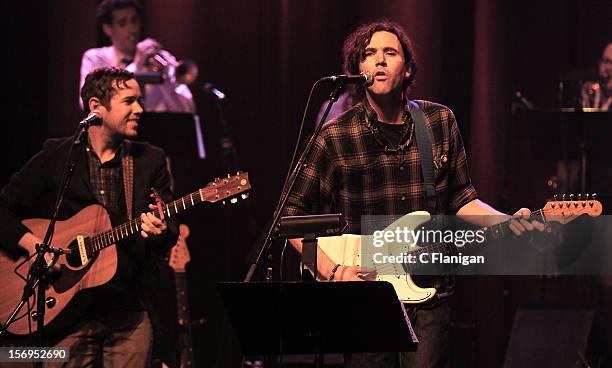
[126, 230]
[494, 232]
[182, 303]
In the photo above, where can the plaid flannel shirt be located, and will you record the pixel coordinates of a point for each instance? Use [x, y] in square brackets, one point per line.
[106, 179]
[352, 171]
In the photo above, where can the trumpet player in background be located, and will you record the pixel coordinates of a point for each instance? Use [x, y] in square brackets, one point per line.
[598, 93]
[121, 21]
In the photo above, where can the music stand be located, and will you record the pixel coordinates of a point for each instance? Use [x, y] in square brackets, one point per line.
[309, 228]
[179, 134]
[568, 133]
[275, 318]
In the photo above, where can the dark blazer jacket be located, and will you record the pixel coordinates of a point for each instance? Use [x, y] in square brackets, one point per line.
[31, 193]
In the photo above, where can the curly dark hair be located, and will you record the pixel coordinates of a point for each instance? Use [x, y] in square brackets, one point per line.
[103, 84]
[104, 12]
[355, 44]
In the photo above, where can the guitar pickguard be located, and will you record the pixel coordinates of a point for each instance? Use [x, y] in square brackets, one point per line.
[69, 277]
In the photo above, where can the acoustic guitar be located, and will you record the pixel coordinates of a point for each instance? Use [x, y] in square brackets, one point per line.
[92, 261]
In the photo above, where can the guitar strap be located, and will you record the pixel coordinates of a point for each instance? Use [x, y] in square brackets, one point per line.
[425, 153]
[127, 164]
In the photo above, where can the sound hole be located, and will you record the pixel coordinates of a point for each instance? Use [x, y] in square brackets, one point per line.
[74, 259]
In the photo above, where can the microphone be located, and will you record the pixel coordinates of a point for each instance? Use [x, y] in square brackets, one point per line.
[209, 88]
[59, 251]
[526, 103]
[92, 119]
[364, 79]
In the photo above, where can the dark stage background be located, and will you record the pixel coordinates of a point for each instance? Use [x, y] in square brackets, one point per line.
[472, 56]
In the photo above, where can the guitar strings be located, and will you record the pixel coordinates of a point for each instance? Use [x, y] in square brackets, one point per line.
[109, 237]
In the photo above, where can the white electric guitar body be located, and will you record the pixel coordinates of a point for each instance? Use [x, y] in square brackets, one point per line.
[347, 250]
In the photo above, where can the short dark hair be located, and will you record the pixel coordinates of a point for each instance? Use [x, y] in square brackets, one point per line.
[355, 44]
[104, 13]
[103, 84]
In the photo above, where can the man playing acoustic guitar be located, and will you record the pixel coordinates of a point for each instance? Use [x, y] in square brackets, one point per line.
[119, 317]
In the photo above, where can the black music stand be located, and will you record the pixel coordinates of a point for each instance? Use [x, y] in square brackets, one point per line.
[179, 134]
[309, 228]
[273, 318]
[568, 133]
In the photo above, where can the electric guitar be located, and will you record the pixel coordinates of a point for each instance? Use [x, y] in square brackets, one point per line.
[347, 250]
[92, 261]
[179, 257]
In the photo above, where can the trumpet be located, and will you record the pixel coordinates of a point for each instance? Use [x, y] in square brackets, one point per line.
[591, 94]
[185, 71]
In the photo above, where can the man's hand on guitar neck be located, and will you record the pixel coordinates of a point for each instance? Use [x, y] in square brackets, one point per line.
[479, 213]
[520, 222]
[152, 227]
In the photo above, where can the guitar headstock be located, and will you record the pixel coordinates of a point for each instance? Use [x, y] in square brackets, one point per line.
[563, 211]
[179, 255]
[230, 187]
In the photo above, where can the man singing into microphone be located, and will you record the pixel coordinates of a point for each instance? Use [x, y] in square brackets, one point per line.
[121, 21]
[366, 162]
[116, 329]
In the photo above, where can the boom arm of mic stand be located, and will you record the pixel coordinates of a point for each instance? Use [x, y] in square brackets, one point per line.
[288, 185]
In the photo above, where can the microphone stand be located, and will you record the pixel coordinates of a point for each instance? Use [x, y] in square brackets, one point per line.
[38, 275]
[289, 184]
[230, 156]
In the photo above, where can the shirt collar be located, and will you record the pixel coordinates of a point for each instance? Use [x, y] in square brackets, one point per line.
[370, 113]
[118, 153]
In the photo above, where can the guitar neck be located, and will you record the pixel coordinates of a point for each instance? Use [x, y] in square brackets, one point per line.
[126, 230]
[184, 318]
[182, 299]
[213, 192]
[494, 232]
[502, 229]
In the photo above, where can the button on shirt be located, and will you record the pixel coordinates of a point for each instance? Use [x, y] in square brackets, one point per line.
[106, 179]
[351, 169]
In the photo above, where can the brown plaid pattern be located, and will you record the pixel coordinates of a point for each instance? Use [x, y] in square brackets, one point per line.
[355, 171]
[105, 179]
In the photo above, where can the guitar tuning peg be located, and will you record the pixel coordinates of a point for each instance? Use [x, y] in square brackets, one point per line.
[244, 195]
[223, 203]
[555, 197]
[587, 197]
[228, 175]
[567, 204]
[594, 196]
[571, 197]
[234, 200]
[579, 196]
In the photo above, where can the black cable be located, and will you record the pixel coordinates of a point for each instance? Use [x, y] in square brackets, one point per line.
[295, 153]
[299, 138]
[282, 259]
